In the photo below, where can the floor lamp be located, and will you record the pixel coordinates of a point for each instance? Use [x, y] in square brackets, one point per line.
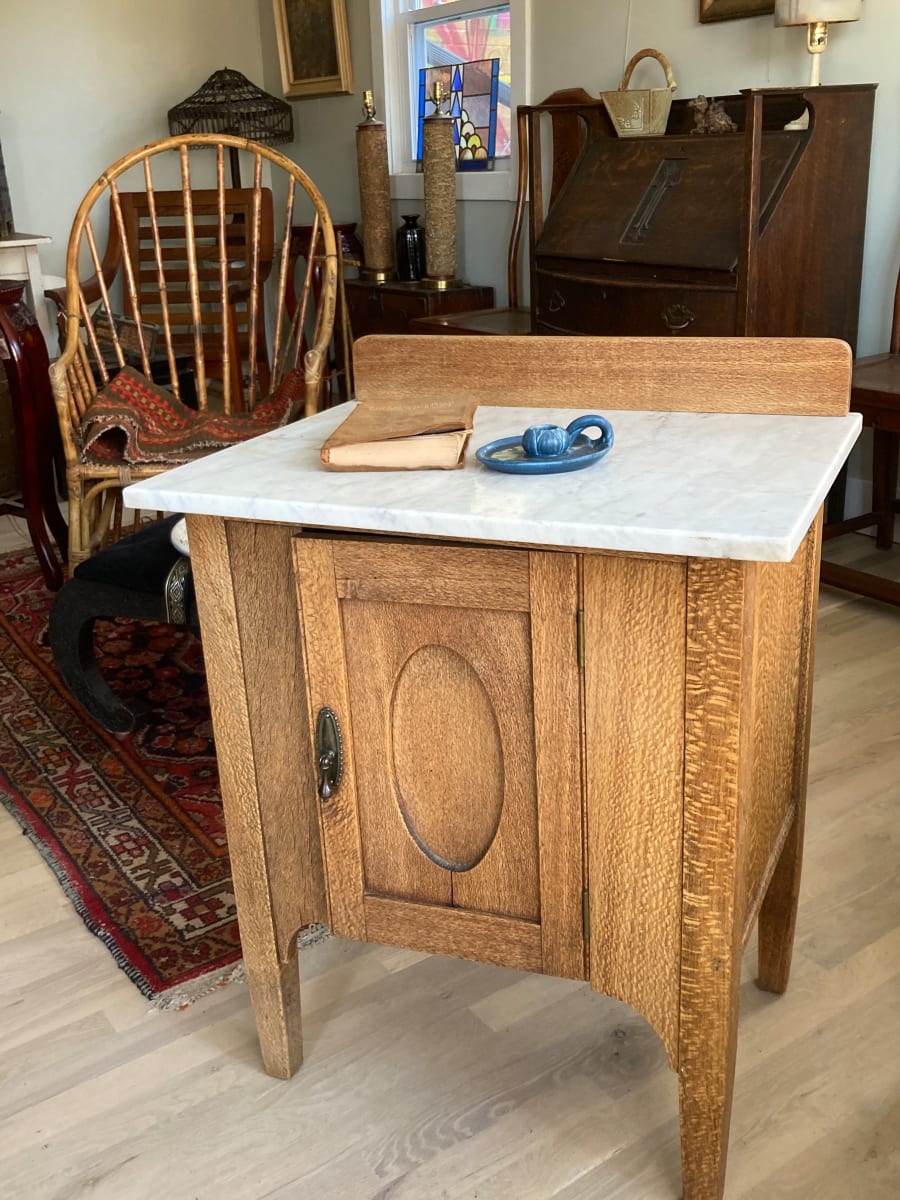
[229, 103]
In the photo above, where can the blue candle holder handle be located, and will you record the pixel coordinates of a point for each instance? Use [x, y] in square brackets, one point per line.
[550, 441]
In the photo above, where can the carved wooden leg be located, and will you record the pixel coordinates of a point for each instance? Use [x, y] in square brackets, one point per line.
[246, 598]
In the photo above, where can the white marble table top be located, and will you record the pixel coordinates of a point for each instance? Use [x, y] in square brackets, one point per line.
[706, 484]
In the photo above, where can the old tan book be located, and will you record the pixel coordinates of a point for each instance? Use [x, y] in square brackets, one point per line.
[384, 436]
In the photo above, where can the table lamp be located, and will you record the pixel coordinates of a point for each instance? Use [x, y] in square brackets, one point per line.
[816, 15]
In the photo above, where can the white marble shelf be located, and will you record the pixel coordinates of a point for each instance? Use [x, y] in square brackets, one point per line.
[706, 484]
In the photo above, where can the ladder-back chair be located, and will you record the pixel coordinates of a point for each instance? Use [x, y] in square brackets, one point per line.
[875, 393]
[192, 286]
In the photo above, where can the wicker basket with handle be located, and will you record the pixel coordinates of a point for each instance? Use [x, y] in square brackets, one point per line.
[641, 111]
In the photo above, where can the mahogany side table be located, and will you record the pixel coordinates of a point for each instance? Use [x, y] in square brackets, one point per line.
[390, 307]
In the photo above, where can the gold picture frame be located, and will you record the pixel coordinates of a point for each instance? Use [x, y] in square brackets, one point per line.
[313, 47]
[731, 10]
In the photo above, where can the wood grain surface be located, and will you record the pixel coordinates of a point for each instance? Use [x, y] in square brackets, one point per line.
[433, 1077]
[244, 585]
[718, 761]
[327, 687]
[380, 641]
[634, 618]
[778, 639]
[388, 569]
[778, 912]
[799, 376]
[558, 760]
[455, 931]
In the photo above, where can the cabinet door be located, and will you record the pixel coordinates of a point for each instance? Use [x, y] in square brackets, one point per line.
[452, 671]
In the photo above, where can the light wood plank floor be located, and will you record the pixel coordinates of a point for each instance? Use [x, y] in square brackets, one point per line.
[433, 1079]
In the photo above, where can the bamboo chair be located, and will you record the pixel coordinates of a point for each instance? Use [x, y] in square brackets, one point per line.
[225, 276]
[139, 223]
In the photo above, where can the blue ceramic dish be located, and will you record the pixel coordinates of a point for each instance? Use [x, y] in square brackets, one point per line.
[548, 449]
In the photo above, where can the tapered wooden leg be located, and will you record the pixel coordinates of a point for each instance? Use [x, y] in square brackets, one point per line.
[706, 1078]
[778, 914]
[275, 993]
[249, 626]
[718, 761]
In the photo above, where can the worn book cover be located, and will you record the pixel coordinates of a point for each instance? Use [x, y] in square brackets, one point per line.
[383, 436]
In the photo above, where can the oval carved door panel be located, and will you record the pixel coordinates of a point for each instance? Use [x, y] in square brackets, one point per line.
[447, 757]
[443, 748]
[453, 669]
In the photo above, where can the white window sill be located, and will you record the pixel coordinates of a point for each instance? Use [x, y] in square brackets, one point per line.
[474, 185]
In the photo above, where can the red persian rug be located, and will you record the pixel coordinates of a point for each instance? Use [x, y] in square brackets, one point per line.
[131, 825]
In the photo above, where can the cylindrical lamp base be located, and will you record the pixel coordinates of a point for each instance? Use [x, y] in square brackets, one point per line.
[375, 276]
[375, 197]
[442, 285]
[439, 166]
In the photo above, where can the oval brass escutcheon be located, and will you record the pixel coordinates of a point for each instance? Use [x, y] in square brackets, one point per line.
[447, 757]
[329, 753]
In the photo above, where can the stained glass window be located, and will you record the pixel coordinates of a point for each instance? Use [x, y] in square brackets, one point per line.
[448, 34]
[472, 89]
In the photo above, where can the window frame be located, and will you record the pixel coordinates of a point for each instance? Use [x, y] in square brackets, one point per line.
[391, 61]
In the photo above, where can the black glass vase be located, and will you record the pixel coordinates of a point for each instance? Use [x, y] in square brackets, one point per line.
[411, 249]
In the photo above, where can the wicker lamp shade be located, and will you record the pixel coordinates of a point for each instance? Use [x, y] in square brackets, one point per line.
[229, 103]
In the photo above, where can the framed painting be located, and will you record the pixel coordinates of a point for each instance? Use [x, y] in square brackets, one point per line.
[730, 10]
[313, 47]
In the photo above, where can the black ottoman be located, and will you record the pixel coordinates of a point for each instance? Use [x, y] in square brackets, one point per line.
[143, 577]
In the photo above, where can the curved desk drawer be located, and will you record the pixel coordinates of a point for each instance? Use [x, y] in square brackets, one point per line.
[589, 306]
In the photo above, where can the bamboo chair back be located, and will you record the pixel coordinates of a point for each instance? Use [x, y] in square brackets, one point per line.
[234, 338]
[192, 283]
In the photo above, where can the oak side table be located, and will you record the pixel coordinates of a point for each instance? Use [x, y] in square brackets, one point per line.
[558, 723]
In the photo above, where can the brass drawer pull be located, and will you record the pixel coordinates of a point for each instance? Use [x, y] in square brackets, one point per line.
[557, 301]
[677, 316]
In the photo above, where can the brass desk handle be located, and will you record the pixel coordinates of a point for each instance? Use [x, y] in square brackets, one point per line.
[677, 316]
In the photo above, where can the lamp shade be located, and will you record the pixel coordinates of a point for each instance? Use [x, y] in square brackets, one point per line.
[809, 12]
[229, 103]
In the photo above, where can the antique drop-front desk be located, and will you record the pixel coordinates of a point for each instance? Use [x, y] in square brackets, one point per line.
[757, 233]
[574, 709]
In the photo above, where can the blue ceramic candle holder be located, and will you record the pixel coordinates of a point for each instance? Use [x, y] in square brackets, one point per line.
[547, 449]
